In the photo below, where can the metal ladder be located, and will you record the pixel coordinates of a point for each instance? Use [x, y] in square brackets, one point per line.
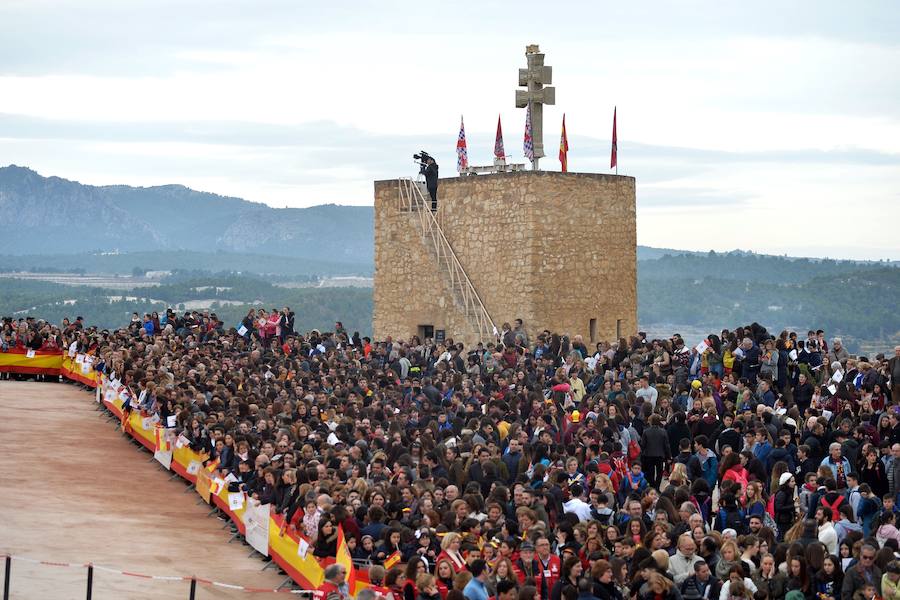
[413, 199]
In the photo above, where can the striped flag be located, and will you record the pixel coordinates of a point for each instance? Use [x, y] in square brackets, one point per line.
[614, 156]
[391, 560]
[342, 557]
[212, 465]
[498, 141]
[216, 486]
[162, 440]
[462, 154]
[529, 143]
[564, 147]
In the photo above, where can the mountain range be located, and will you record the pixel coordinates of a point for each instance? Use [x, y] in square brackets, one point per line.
[50, 215]
[55, 216]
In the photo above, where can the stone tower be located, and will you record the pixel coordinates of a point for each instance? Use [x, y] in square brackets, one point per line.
[557, 250]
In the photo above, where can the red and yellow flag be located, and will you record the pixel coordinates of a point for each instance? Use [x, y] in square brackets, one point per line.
[162, 440]
[212, 465]
[564, 147]
[392, 560]
[343, 558]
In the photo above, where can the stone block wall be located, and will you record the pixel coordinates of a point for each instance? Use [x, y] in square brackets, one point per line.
[557, 250]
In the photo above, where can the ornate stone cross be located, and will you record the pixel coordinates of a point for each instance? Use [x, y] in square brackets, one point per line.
[536, 95]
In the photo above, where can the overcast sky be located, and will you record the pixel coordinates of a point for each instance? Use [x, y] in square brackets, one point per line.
[766, 126]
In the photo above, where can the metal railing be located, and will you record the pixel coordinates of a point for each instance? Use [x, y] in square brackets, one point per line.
[412, 199]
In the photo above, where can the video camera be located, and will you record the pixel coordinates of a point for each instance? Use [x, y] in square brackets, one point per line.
[422, 158]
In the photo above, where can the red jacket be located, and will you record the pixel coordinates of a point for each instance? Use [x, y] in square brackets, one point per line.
[535, 572]
[551, 571]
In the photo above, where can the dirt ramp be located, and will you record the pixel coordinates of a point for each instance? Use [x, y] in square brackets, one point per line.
[75, 490]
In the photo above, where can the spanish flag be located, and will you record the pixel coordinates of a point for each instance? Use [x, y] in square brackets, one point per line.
[342, 557]
[392, 560]
[212, 465]
[162, 441]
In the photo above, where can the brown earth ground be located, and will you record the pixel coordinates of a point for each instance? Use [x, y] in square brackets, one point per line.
[73, 489]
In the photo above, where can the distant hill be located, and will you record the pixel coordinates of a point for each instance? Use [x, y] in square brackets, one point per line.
[55, 216]
[50, 215]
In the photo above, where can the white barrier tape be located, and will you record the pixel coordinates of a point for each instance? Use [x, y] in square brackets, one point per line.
[142, 576]
[226, 585]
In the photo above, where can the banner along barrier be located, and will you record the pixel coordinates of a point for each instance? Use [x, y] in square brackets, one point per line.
[288, 549]
[79, 367]
[31, 362]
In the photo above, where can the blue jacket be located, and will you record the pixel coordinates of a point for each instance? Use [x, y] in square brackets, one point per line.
[706, 468]
[475, 590]
[827, 462]
[762, 451]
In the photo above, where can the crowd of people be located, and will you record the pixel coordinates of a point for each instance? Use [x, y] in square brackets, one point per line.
[533, 467]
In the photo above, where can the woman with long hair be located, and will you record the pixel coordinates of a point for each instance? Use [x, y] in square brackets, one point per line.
[769, 579]
[569, 574]
[873, 474]
[886, 530]
[444, 571]
[679, 476]
[636, 530]
[730, 557]
[828, 580]
[620, 576]
[326, 540]
[414, 568]
[785, 510]
[754, 501]
[777, 469]
[610, 536]
[503, 571]
[798, 576]
[732, 469]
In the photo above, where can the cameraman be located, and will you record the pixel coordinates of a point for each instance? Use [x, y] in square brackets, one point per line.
[431, 180]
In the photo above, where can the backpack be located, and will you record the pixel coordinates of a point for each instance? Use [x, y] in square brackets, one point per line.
[732, 519]
[835, 515]
[768, 516]
[703, 506]
[634, 451]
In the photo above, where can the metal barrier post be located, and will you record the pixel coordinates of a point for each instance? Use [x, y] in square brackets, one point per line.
[90, 582]
[6, 577]
[193, 588]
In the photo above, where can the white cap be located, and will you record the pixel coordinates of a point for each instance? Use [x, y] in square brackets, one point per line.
[785, 477]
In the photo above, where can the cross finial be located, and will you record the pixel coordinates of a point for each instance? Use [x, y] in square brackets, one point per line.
[534, 78]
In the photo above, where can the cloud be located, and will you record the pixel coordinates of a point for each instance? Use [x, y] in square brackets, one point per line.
[775, 113]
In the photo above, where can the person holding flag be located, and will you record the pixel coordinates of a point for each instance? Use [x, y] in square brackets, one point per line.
[342, 578]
